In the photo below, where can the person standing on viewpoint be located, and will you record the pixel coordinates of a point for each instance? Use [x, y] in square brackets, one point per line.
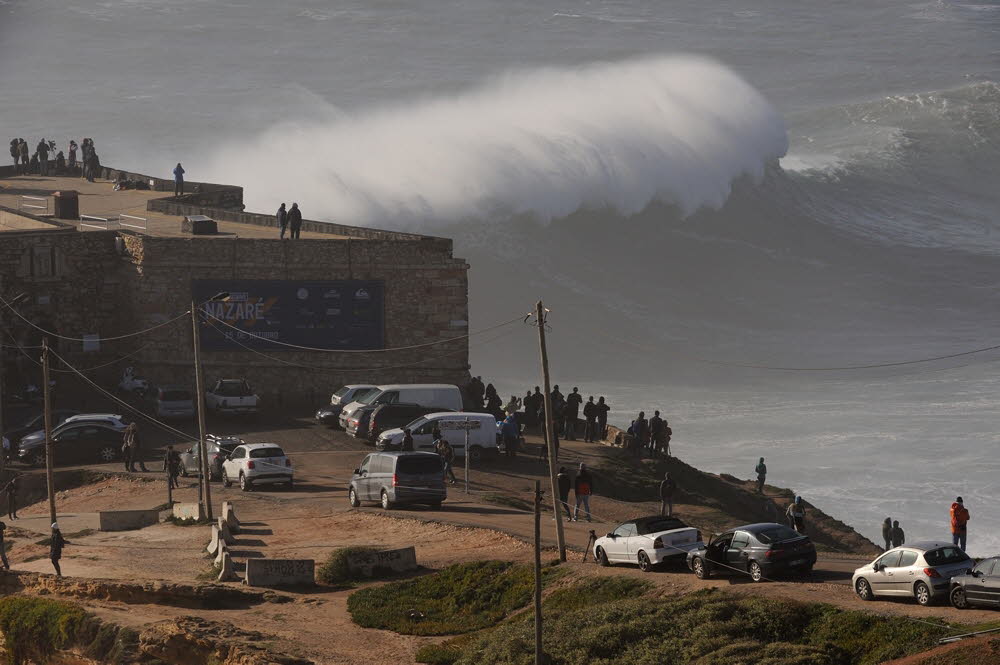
[796, 514]
[178, 179]
[282, 217]
[590, 416]
[294, 221]
[959, 523]
[3, 547]
[898, 537]
[667, 486]
[761, 470]
[887, 533]
[602, 419]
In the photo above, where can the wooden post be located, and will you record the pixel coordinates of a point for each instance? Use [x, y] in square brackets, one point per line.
[550, 431]
[538, 573]
[199, 379]
[47, 392]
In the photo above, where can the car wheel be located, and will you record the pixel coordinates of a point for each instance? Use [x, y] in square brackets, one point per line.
[645, 565]
[602, 557]
[475, 453]
[756, 573]
[922, 593]
[958, 599]
[864, 590]
[244, 483]
[226, 482]
[106, 454]
[386, 504]
[699, 568]
[352, 496]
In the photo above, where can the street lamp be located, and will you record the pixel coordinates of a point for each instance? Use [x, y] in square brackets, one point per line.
[16, 300]
[199, 379]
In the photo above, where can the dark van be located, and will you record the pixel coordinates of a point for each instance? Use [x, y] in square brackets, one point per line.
[396, 478]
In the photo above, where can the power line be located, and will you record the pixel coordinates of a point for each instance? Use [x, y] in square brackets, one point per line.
[66, 371]
[397, 348]
[852, 367]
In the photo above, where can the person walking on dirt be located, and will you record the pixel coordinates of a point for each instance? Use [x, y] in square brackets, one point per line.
[3, 547]
[761, 470]
[172, 465]
[178, 180]
[447, 453]
[563, 482]
[10, 489]
[131, 449]
[583, 487]
[796, 514]
[898, 537]
[282, 218]
[667, 486]
[887, 533]
[959, 523]
[56, 544]
[407, 443]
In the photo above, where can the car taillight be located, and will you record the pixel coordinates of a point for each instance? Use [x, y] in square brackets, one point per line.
[931, 572]
[395, 480]
[658, 544]
[250, 465]
[288, 462]
[774, 554]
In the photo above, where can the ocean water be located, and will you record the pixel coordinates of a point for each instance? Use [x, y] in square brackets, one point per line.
[692, 188]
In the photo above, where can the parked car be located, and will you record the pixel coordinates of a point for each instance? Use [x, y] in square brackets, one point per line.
[330, 415]
[920, 570]
[252, 464]
[760, 550]
[425, 394]
[83, 443]
[357, 424]
[396, 478]
[130, 383]
[173, 402]
[482, 435]
[394, 416]
[231, 396]
[218, 447]
[647, 541]
[980, 587]
[109, 420]
[34, 423]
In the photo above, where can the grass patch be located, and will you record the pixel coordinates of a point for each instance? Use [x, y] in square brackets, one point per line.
[508, 501]
[459, 599]
[607, 622]
[210, 575]
[188, 521]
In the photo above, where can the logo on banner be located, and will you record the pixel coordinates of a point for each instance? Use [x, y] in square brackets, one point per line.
[303, 293]
[362, 294]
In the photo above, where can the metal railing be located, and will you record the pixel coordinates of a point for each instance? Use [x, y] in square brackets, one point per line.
[137, 223]
[31, 203]
[93, 222]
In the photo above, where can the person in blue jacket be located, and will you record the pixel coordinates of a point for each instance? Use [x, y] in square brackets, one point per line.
[510, 431]
[178, 179]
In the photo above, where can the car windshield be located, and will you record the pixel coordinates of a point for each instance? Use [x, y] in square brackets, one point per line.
[233, 389]
[270, 451]
[776, 534]
[176, 396]
[945, 555]
[368, 396]
[419, 464]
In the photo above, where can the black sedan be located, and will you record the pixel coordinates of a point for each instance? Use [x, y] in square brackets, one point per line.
[87, 443]
[757, 550]
[980, 587]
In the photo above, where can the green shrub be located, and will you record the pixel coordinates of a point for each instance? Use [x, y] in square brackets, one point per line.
[34, 628]
[334, 570]
[459, 599]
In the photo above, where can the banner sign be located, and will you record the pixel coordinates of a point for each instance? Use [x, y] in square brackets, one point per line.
[343, 314]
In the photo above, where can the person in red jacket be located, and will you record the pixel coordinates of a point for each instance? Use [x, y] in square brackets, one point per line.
[959, 520]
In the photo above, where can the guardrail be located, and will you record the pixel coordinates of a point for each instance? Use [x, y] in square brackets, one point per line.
[137, 223]
[23, 203]
[93, 222]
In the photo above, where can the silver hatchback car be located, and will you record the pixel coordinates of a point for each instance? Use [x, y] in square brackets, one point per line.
[921, 570]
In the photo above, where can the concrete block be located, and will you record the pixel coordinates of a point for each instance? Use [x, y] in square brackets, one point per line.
[226, 573]
[127, 520]
[222, 551]
[280, 572]
[370, 562]
[229, 512]
[213, 545]
[188, 511]
[224, 533]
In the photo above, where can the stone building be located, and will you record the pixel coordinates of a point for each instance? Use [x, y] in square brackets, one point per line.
[381, 305]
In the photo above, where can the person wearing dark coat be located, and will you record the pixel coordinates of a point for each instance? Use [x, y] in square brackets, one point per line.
[761, 470]
[56, 544]
[590, 416]
[640, 430]
[406, 445]
[887, 533]
[25, 157]
[564, 482]
[10, 489]
[178, 179]
[602, 419]
[667, 487]
[898, 537]
[656, 427]
[172, 465]
[282, 217]
[3, 547]
[43, 157]
[571, 410]
[73, 147]
[584, 488]
[295, 221]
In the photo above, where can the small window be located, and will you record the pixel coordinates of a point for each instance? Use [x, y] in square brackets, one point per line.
[240, 453]
[908, 559]
[890, 560]
[422, 464]
[945, 555]
[390, 397]
[740, 540]
[986, 567]
[365, 464]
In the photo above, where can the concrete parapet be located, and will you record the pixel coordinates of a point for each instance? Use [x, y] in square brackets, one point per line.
[222, 551]
[229, 513]
[280, 572]
[188, 511]
[224, 533]
[213, 545]
[226, 572]
[127, 520]
[368, 563]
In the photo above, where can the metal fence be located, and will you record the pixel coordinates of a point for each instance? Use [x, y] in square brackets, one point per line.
[31, 203]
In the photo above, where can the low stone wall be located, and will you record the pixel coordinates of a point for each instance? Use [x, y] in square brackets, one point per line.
[280, 572]
[128, 520]
[188, 511]
[368, 563]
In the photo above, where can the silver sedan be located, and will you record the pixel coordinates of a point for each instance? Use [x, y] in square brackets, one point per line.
[920, 570]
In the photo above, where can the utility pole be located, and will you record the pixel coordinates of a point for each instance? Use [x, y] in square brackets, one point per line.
[538, 573]
[550, 431]
[47, 392]
[199, 380]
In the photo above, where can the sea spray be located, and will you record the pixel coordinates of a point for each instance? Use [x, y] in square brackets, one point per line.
[545, 142]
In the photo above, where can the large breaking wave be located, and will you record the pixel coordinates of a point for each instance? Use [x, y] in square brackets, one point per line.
[544, 143]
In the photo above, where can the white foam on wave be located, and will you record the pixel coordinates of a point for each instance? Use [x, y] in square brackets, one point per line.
[546, 142]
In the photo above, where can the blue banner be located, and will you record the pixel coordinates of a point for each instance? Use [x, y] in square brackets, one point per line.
[267, 314]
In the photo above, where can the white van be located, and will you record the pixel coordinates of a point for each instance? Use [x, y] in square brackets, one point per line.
[423, 394]
[482, 433]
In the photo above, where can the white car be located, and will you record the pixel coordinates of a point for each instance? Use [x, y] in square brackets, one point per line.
[257, 464]
[231, 396]
[647, 541]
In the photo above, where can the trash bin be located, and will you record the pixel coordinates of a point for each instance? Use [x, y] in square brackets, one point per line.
[66, 205]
